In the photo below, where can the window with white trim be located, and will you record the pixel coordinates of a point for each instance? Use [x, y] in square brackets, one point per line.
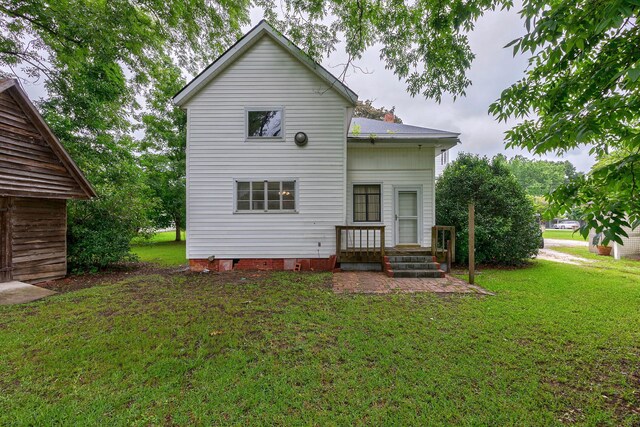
[264, 123]
[366, 203]
[266, 196]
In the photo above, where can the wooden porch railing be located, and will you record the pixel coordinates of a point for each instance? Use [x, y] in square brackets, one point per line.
[440, 235]
[360, 243]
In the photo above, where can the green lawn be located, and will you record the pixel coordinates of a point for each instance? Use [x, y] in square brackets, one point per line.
[557, 344]
[604, 262]
[161, 249]
[562, 235]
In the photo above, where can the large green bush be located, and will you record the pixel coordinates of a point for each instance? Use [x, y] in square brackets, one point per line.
[506, 230]
[100, 230]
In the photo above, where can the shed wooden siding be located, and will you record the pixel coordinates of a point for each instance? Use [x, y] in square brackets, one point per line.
[28, 165]
[37, 237]
[393, 167]
[217, 153]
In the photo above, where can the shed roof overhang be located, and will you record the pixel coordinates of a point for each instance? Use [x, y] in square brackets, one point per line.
[12, 87]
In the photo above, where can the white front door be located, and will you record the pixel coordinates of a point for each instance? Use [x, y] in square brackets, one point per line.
[408, 210]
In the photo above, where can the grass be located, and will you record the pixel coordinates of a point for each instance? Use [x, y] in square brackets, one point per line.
[161, 249]
[557, 344]
[603, 262]
[562, 235]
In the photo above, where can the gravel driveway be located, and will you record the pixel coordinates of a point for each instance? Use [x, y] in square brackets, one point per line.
[549, 243]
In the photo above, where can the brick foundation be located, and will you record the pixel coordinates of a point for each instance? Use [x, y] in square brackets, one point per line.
[264, 264]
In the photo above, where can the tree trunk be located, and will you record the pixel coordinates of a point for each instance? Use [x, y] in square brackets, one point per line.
[178, 232]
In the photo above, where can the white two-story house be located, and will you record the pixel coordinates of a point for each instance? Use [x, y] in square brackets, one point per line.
[279, 172]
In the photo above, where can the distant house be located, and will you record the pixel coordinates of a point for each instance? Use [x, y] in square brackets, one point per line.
[281, 176]
[36, 177]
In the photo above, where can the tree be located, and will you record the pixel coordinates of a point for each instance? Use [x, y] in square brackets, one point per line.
[367, 110]
[164, 143]
[98, 61]
[540, 177]
[583, 89]
[607, 197]
[506, 229]
[165, 177]
[582, 86]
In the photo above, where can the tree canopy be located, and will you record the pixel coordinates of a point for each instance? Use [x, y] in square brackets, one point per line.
[110, 69]
[104, 62]
[581, 88]
[367, 110]
[540, 177]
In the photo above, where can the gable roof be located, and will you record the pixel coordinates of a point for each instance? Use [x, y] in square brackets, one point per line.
[22, 101]
[362, 128]
[243, 45]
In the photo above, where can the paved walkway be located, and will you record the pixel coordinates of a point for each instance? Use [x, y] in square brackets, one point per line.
[367, 282]
[18, 293]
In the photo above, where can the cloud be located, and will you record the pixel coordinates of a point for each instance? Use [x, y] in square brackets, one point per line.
[493, 70]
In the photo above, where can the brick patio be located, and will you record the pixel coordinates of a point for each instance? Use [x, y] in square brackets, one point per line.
[367, 282]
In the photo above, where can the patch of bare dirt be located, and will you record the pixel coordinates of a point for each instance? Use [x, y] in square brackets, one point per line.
[114, 274]
[127, 271]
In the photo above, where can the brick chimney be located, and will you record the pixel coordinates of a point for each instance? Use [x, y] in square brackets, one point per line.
[389, 117]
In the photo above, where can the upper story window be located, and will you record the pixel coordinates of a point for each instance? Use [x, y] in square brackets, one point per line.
[366, 203]
[265, 196]
[263, 123]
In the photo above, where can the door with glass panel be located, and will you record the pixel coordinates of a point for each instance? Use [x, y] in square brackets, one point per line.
[407, 216]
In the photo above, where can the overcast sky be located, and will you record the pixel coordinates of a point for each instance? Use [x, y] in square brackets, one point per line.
[493, 70]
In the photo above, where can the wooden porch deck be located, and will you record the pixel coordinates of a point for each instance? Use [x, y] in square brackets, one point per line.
[366, 244]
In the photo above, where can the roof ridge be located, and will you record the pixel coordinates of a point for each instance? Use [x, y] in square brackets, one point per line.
[242, 45]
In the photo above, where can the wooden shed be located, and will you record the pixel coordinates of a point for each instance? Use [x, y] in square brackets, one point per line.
[37, 176]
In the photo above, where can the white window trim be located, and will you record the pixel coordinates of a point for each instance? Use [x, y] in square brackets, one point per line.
[381, 184]
[266, 211]
[264, 138]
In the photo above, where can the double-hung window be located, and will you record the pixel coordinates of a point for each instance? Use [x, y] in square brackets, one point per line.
[265, 196]
[366, 203]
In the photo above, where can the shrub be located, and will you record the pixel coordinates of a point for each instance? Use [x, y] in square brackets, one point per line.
[100, 230]
[506, 231]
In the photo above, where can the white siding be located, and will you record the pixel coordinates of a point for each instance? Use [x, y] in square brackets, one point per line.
[394, 167]
[266, 76]
[440, 165]
[631, 247]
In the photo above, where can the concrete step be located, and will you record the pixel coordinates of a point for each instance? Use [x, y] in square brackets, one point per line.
[415, 266]
[432, 274]
[396, 252]
[412, 258]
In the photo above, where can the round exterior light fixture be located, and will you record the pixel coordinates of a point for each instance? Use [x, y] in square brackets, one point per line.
[301, 139]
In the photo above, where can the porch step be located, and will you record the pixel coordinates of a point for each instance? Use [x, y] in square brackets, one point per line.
[393, 259]
[426, 274]
[413, 266]
[412, 252]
